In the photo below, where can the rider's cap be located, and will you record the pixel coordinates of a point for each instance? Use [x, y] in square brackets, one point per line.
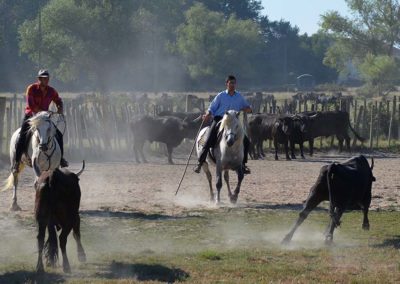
[43, 73]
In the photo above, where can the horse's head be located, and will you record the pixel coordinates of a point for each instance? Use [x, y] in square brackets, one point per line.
[44, 128]
[231, 127]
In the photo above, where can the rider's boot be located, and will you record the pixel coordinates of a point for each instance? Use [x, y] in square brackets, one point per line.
[197, 168]
[246, 169]
[63, 163]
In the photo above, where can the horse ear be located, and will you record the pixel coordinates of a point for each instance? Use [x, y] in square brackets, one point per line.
[237, 114]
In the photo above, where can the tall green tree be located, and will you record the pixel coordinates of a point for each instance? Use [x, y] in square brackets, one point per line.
[374, 29]
[213, 46]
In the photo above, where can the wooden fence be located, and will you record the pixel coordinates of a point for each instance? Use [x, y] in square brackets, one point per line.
[98, 126]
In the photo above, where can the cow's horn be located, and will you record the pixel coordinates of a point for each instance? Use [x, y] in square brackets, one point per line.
[372, 163]
[83, 167]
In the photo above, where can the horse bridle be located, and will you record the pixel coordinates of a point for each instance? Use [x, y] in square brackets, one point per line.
[52, 148]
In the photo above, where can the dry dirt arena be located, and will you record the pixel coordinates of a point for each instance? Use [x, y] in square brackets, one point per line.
[150, 188]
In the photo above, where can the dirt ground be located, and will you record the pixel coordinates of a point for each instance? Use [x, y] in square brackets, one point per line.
[127, 186]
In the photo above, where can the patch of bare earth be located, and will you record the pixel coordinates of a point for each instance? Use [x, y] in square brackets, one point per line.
[127, 186]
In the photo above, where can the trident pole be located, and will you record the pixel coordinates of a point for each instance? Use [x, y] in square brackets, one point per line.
[190, 155]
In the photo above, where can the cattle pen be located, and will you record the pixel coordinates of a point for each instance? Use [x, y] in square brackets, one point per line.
[97, 125]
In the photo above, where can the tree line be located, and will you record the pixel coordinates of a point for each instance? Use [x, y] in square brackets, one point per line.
[129, 45]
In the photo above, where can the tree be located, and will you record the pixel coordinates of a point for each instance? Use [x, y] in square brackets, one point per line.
[381, 72]
[374, 29]
[213, 46]
[81, 39]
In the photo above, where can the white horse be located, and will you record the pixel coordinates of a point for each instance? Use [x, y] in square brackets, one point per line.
[46, 152]
[228, 153]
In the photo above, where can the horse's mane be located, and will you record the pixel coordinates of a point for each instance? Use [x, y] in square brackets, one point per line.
[36, 120]
[227, 121]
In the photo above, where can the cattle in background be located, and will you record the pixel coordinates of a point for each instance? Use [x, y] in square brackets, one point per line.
[194, 102]
[166, 129]
[281, 131]
[345, 185]
[190, 116]
[260, 129]
[328, 123]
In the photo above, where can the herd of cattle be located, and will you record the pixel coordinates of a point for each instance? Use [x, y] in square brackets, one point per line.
[172, 128]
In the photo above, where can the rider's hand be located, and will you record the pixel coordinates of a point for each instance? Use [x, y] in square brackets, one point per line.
[206, 117]
[60, 111]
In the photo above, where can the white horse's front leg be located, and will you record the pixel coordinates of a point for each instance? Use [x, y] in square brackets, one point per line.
[226, 177]
[14, 205]
[240, 174]
[219, 183]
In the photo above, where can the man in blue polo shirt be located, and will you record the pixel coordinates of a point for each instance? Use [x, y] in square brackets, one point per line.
[229, 99]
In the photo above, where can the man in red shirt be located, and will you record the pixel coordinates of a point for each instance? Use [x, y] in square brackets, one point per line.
[38, 98]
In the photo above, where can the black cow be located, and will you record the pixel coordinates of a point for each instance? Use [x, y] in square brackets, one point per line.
[281, 131]
[190, 116]
[259, 130]
[328, 123]
[57, 207]
[167, 129]
[345, 185]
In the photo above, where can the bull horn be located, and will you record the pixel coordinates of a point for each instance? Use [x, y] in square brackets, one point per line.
[83, 167]
[372, 163]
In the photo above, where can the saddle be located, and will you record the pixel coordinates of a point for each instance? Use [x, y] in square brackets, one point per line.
[202, 142]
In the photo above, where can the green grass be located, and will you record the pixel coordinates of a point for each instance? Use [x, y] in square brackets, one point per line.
[227, 245]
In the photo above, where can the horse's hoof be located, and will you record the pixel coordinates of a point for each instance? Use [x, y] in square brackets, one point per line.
[66, 268]
[365, 227]
[293, 157]
[82, 257]
[286, 241]
[15, 207]
[303, 157]
[234, 199]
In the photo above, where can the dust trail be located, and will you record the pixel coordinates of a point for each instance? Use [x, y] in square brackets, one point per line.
[18, 239]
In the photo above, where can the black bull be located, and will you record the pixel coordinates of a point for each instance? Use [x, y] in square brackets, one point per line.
[346, 185]
[166, 129]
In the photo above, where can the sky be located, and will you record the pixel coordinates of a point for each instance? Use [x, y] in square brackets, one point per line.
[305, 14]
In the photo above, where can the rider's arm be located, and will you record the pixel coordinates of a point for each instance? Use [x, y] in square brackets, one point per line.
[30, 102]
[58, 101]
[246, 106]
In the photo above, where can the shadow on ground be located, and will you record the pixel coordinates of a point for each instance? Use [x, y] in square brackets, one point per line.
[144, 272]
[132, 215]
[390, 243]
[23, 276]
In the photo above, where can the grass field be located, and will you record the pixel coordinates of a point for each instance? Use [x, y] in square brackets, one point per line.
[226, 245]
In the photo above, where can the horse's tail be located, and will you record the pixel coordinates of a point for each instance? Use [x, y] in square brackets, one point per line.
[10, 180]
[51, 245]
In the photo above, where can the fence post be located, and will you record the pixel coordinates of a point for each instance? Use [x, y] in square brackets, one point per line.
[377, 131]
[2, 121]
[371, 126]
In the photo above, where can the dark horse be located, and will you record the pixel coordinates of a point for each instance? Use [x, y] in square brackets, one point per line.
[57, 207]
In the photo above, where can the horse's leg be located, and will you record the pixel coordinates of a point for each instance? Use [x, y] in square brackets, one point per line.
[276, 148]
[219, 182]
[209, 178]
[169, 152]
[40, 243]
[63, 245]
[226, 177]
[240, 175]
[14, 205]
[77, 236]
